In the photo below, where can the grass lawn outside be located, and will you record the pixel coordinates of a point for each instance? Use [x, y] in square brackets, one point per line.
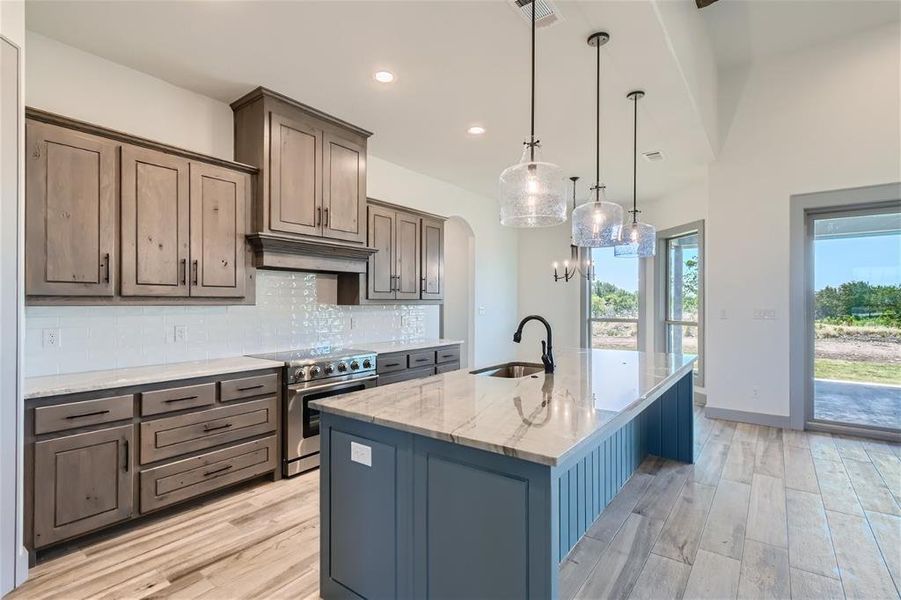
[849, 370]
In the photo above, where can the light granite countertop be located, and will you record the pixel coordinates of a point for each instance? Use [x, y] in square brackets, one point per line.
[89, 381]
[540, 418]
[386, 347]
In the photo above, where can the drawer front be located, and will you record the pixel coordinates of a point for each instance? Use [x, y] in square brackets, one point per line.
[448, 354]
[82, 414]
[447, 367]
[248, 387]
[421, 359]
[388, 363]
[163, 401]
[172, 436]
[406, 375]
[162, 486]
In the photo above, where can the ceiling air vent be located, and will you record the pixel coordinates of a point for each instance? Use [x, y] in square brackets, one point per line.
[546, 14]
[653, 156]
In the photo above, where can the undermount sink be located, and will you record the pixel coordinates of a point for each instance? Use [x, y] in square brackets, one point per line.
[511, 370]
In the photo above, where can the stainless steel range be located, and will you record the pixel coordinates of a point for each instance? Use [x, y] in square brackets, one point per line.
[313, 375]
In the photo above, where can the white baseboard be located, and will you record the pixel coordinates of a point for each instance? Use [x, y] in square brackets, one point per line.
[781, 421]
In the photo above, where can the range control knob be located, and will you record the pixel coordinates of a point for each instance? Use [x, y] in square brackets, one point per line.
[367, 364]
[354, 365]
[342, 367]
[329, 369]
[299, 374]
[315, 371]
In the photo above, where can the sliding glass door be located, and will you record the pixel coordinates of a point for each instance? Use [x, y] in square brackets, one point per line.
[855, 318]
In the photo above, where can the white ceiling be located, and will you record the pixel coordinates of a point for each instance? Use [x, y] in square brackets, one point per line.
[743, 31]
[457, 63]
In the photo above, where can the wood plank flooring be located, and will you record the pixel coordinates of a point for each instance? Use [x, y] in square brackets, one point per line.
[764, 513]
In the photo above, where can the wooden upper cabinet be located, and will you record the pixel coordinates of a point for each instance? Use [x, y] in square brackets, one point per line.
[218, 198]
[295, 188]
[82, 482]
[382, 263]
[155, 223]
[432, 259]
[344, 189]
[407, 267]
[70, 214]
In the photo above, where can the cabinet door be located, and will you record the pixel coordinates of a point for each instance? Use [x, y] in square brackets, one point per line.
[70, 212]
[344, 189]
[218, 199]
[432, 259]
[381, 264]
[155, 220]
[407, 264]
[295, 183]
[81, 482]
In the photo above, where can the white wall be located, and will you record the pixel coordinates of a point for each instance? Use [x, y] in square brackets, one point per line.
[13, 559]
[821, 119]
[74, 83]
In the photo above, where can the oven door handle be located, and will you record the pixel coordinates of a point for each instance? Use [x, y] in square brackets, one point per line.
[331, 386]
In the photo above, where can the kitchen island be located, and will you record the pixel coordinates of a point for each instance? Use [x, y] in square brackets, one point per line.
[467, 485]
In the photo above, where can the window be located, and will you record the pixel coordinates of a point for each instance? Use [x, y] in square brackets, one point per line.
[682, 292]
[613, 296]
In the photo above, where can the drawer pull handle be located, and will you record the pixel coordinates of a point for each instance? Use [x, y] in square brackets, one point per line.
[447, 356]
[90, 414]
[185, 398]
[392, 364]
[215, 471]
[207, 429]
[250, 387]
[127, 457]
[421, 360]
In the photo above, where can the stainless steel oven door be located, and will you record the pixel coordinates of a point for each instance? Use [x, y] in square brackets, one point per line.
[302, 420]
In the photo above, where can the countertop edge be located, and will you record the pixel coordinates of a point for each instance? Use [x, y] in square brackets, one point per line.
[109, 381]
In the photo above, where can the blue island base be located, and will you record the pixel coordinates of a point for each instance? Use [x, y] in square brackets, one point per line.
[407, 516]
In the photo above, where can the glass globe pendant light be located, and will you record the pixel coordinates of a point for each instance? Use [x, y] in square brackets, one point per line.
[597, 223]
[532, 191]
[639, 239]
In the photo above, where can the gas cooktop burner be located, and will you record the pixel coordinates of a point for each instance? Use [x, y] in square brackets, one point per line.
[311, 364]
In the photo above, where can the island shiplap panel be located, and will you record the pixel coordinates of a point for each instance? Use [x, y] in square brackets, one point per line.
[586, 485]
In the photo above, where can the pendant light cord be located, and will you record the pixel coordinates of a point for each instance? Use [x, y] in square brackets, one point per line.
[597, 131]
[532, 134]
[635, 161]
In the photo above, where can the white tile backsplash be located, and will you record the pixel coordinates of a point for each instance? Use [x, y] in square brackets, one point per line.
[287, 315]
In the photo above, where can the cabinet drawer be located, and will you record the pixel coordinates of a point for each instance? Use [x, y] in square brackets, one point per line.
[247, 387]
[447, 367]
[172, 436]
[162, 486]
[82, 414]
[421, 359]
[163, 401]
[388, 363]
[448, 354]
[406, 375]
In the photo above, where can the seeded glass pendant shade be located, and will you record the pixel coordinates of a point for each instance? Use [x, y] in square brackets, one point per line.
[639, 239]
[597, 223]
[532, 192]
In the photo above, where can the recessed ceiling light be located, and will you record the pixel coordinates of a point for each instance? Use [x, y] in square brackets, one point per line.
[476, 130]
[384, 76]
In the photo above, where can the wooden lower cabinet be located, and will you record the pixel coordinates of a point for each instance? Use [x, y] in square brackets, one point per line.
[395, 367]
[92, 462]
[85, 482]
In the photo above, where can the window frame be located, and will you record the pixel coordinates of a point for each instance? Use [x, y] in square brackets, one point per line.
[588, 319]
[661, 300]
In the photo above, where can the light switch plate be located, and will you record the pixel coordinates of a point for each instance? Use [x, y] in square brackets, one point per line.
[361, 453]
[181, 333]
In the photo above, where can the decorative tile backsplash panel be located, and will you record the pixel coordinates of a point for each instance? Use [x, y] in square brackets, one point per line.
[287, 315]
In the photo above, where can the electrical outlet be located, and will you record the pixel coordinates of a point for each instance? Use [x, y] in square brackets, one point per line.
[723, 314]
[404, 321]
[51, 338]
[181, 333]
[754, 394]
[482, 310]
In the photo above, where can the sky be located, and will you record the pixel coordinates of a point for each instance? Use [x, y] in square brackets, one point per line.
[876, 260]
[621, 272]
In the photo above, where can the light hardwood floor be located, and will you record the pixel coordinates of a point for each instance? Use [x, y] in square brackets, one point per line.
[764, 513]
